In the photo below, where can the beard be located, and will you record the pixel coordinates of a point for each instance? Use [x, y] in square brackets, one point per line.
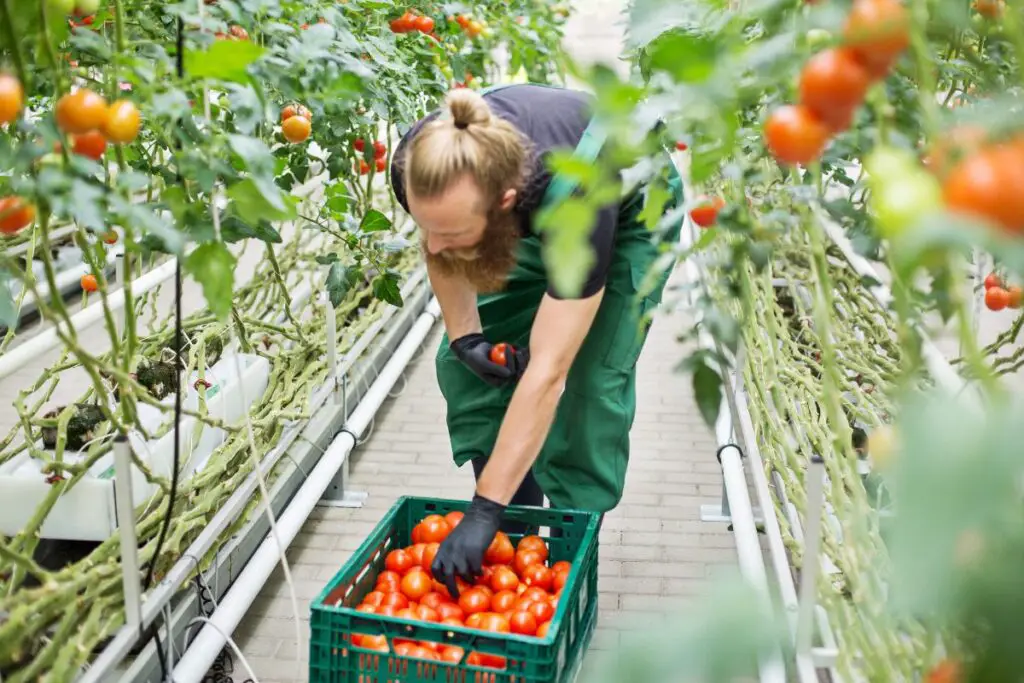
[487, 265]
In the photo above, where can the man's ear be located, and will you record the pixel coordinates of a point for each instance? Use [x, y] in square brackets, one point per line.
[508, 199]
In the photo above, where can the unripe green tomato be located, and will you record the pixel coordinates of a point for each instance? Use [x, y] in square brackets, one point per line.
[818, 37]
[487, 32]
[85, 8]
[886, 165]
[899, 204]
[60, 7]
[437, 60]
[447, 72]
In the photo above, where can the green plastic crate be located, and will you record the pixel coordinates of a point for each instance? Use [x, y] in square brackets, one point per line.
[553, 659]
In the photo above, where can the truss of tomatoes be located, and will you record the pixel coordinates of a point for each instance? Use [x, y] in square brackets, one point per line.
[517, 593]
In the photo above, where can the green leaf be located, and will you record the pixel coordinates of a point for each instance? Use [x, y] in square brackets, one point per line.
[650, 18]
[225, 60]
[707, 390]
[658, 195]
[374, 221]
[8, 309]
[688, 57]
[340, 279]
[213, 267]
[385, 288]
[326, 259]
[566, 250]
[254, 153]
[254, 201]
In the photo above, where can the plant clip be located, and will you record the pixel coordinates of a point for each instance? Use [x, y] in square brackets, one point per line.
[54, 478]
[203, 382]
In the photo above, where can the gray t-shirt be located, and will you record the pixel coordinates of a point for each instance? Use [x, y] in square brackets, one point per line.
[553, 119]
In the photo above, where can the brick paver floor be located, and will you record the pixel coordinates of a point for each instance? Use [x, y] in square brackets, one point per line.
[654, 550]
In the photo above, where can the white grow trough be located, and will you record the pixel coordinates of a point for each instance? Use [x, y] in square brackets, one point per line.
[87, 512]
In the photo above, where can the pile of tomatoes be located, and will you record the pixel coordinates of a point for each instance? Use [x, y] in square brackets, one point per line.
[296, 123]
[380, 151]
[517, 593]
[999, 296]
[834, 82]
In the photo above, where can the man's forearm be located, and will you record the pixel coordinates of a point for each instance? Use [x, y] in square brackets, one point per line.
[523, 432]
[458, 303]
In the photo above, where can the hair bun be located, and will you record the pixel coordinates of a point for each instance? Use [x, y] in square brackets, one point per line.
[467, 108]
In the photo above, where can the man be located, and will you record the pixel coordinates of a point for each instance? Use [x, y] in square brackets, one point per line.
[554, 418]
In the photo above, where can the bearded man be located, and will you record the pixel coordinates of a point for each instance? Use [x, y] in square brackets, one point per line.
[550, 416]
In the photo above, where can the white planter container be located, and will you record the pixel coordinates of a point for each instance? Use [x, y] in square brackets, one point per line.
[87, 512]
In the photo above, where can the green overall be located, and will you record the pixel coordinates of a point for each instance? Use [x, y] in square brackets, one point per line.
[582, 464]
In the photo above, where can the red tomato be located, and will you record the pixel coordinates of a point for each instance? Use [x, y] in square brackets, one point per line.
[542, 630]
[452, 654]
[425, 613]
[794, 135]
[500, 352]
[495, 623]
[535, 593]
[503, 601]
[1015, 295]
[80, 111]
[15, 215]
[388, 577]
[524, 559]
[435, 529]
[474, 601]
[993, 280]
[416, 584]
[682, 146]
[500, 551]
[379, 149]
[990, 185]
[535, 543]
[360, 145]
[389, 610]
[374, 598]
[449, 610]
[538, 575]
[559, 580]
[997, 299]
[432, 599]
[542, 611]
[878, 31]
[91, 144]
[523, 623]
[832, 84]
[453, 518]
[706, 212]
[416, 553]
[504, 579]
[561, 566]
[395, 600]
[452, 621]
[380, 165]
[89, 283]
[398, 561]
[429, 551]
[423, 24]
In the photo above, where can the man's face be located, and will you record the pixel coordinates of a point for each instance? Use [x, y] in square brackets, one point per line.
[461, 235]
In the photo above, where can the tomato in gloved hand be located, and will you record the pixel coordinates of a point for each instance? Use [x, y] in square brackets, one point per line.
[499, 353]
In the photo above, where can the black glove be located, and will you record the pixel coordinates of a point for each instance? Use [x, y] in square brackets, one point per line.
[475, 352]
[462, 553]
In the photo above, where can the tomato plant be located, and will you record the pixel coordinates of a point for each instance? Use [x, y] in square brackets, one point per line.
[115, 140]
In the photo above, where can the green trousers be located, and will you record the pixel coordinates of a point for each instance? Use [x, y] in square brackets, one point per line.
[582, 464]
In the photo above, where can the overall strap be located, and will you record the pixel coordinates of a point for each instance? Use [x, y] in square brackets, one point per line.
[587, 149]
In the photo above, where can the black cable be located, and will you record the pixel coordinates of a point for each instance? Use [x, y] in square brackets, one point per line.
[180, 64]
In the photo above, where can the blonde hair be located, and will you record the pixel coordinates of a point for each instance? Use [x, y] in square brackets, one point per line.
[466, 138]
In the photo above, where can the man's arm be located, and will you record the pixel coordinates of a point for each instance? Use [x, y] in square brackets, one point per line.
[558, 332]
[457, 298]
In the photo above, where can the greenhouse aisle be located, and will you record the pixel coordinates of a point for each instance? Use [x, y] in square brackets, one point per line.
[654, 549]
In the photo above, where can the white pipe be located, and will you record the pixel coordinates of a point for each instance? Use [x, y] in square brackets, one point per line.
[126, 526]
[236, 602]
[18, 357]
[748, 550]
[812, 546]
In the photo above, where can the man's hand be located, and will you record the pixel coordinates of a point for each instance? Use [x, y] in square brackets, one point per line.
[462, 553]
[475, 352]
